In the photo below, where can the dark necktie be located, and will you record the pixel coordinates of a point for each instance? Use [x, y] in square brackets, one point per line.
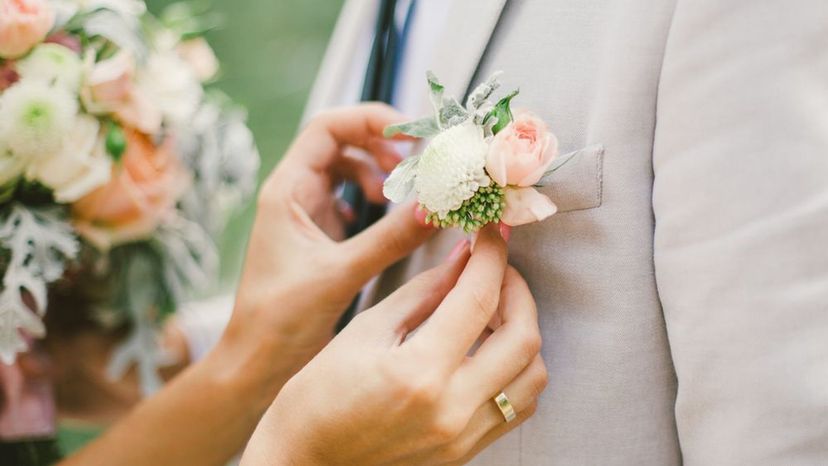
[380, 77]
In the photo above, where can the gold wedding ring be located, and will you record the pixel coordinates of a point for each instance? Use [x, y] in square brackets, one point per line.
[505, 407]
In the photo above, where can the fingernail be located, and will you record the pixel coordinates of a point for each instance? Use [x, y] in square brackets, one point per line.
[420, 215]
[458, 250]
[505, 231]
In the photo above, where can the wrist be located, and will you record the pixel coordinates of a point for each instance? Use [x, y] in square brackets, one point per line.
[274, 443]
[259, 361]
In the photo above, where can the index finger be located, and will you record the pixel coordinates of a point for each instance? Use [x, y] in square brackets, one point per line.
[359, 126]
[463, 315]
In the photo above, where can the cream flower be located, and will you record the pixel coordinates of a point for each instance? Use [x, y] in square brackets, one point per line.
[110, 87]
[35, 117]
[81, 166]
[53, 63]
[451, 169]
[198, 54]
[526, 205]
[171, 85]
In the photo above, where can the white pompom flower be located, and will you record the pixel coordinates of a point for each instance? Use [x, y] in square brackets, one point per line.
[54, 64]
[35, 117]
[452, 169]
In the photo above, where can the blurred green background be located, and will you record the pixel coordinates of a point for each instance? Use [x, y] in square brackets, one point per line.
[269, 51]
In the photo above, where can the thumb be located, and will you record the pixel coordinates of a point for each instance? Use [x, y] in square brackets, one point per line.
[390, 239]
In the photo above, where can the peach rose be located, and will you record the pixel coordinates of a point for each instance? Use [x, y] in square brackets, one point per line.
[144, 188]
[526, 205]
[23, 24]
[521, 153]
[109, 87]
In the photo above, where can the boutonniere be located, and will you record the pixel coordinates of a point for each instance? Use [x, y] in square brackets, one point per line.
[482, 163]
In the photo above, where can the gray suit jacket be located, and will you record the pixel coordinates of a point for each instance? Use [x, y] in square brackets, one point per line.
[683, 287]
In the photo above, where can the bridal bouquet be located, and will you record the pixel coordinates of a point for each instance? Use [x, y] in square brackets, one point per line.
[482, 164]
[113, 158]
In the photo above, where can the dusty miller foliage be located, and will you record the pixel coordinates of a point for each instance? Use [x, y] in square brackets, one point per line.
[37, 243]
[182, 257]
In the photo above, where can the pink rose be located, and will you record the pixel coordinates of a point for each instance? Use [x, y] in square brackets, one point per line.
[23, 24]
[110, 88]
[522, 152]
[144, 188]
[526, 205]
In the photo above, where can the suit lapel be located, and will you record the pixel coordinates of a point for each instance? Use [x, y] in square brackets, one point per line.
[356, 23]
[464, 40]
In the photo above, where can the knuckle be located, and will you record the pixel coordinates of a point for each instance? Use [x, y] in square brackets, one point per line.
[530, 344]
[423, 391]
[453, 452]
[412, 389]
[445, 430]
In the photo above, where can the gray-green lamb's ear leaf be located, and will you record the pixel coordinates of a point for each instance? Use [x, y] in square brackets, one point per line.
[482, 92]
[400, 183]
[435, 91]
[452, 113]
[422, 128]
[503, 112]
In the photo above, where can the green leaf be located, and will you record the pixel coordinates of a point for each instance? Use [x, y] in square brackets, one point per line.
[503, 112]
[116, 142]
[422, 128]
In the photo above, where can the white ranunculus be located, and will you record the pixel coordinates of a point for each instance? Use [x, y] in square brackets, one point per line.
[451, 169]
[171, 85]
[35, 117]
[54, 64]
[81, 166]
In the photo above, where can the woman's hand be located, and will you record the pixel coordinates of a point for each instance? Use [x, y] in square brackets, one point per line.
[378, 394]
[296, 282]
[299, 274]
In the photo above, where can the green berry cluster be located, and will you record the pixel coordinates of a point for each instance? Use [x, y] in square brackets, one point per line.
[486, 206]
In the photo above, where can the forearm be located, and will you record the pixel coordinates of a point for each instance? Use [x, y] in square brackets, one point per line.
[204, 416]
